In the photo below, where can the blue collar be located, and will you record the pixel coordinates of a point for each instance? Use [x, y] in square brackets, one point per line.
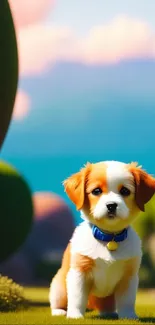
[100, 235]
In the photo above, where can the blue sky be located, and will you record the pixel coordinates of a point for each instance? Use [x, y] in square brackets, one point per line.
[79, 110]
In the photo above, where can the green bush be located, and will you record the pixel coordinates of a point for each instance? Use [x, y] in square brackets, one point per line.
[16, 210]
[145, 227]
[145, 223]
[11, 295]
[8, 67]
[147, 271]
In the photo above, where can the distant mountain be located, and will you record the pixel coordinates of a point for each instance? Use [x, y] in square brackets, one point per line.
[66, 77]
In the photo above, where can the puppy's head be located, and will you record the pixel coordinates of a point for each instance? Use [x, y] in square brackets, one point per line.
[110, 194]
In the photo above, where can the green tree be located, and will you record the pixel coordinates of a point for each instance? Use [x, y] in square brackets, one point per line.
[8, 67]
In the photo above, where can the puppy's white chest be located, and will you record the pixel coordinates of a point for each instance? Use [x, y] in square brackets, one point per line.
[109, 265]
[84, 243]
[106, 275]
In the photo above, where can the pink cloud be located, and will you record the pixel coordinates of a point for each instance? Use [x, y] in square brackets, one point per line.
[122, 38]
[26, 12]
[40, 45]
[22, 105]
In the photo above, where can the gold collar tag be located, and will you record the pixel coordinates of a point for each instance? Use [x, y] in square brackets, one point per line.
[112, 245]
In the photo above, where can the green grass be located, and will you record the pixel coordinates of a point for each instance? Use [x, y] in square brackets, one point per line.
[39, 311]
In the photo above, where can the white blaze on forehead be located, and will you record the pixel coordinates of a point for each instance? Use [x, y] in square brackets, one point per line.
[117, 173]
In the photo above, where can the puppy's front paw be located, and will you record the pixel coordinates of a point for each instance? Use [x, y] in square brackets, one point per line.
[107, 315]
[58, 312]
[74, 314]
[128, 315]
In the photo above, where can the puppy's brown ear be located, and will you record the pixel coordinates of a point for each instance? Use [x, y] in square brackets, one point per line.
[75, 186]
[144, 184]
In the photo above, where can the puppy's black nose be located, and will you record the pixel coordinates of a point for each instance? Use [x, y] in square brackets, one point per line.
[112, 207]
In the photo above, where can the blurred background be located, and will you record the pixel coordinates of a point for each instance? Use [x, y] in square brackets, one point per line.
[86, 92]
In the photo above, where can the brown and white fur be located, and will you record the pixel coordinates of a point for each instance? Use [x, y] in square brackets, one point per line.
[91, 276]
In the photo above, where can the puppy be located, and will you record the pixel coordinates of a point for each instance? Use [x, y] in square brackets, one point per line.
[101, 263]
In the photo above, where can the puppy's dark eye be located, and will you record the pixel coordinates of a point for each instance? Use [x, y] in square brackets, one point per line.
[124, 191]
[97, 191]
